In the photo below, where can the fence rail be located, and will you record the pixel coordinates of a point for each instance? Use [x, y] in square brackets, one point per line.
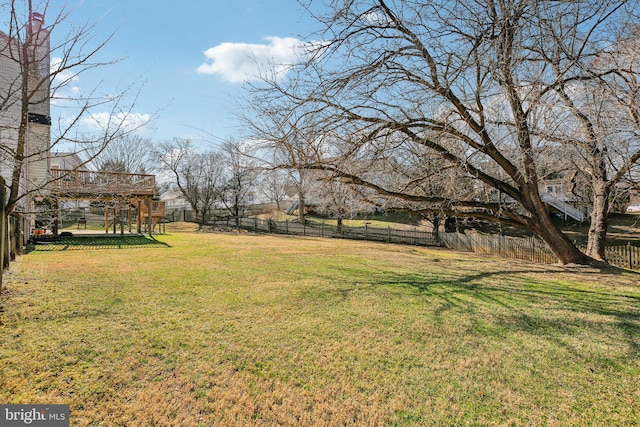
[92, 182]
[625, 256]
[528, 249]
[13, 238]
[366, 232]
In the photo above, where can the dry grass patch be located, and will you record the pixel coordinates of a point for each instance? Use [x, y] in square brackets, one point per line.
[228, 329]
[181, 226]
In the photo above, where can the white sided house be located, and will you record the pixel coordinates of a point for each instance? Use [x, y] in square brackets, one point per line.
[60, 180]
[555, 191]
[24, 93]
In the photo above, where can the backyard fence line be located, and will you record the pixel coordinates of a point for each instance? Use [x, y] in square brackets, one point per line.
[530, 249]
[524, 248]
[12, 234]
[366, 232]
[623, 256]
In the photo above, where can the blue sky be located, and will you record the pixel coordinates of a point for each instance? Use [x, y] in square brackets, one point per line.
[189, 58]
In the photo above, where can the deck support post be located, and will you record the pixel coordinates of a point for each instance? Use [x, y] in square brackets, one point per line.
[129, 216]
[56, 216]
[121, 216]
[149, 215]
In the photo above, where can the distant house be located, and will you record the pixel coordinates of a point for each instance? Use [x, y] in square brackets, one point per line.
[174, 200]
[634, 202]
[67, 161]
[556, 191]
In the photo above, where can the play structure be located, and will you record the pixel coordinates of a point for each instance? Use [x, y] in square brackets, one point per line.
[125, 195]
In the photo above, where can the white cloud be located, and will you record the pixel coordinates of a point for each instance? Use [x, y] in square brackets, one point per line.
[376, 18]
[64, 76]
[105, 121]
[64, 84]
[239, 62]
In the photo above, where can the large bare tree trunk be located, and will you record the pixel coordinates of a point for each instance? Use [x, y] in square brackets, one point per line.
[542, 224]
[3, 218]
[560, 245]
[23, 126]
[599, 223]
[301, 204]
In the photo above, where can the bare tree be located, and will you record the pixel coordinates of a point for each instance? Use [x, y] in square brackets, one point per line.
[240, 179]
[200, 176]
[274, 184]
[30, 80]
[607, 113]
[474, 84]
[127, 154]
[283, 138]
[337, 200]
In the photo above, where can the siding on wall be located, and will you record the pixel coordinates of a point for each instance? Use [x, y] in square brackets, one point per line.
[36, 165]
[9, 97]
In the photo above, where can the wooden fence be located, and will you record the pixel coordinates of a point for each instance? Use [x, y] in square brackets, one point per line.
[531, 249]
[625, 256]
[12, 239]
[528, 249]
[366, 232]
[12, 235]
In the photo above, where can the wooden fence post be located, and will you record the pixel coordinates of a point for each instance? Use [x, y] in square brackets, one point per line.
[3, 228]
[19, 235]
[149, 204]
[12, 238]
[5, 239]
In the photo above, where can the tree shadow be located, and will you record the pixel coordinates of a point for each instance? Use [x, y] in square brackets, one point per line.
[516, 301]
[89, 242]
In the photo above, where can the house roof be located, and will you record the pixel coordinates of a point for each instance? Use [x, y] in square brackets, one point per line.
[171, 194]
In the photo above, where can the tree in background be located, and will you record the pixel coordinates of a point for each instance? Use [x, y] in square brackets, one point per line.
[240, 176]
[200, 176]
[336, 199]
[472, 90]
[282, 139]
[602, 126]
[274, 184]
[125, 154]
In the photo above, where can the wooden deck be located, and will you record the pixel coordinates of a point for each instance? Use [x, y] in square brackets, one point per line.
[75, 183]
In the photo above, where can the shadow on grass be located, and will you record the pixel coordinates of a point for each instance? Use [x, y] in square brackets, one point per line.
[513, 301]
[85, 242]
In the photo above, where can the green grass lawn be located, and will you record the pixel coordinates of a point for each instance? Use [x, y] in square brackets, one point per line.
[240, 329]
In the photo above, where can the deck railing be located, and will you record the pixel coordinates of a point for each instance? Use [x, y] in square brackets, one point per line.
[90, 182]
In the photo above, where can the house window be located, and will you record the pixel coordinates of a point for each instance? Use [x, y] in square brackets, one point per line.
[553, 188]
